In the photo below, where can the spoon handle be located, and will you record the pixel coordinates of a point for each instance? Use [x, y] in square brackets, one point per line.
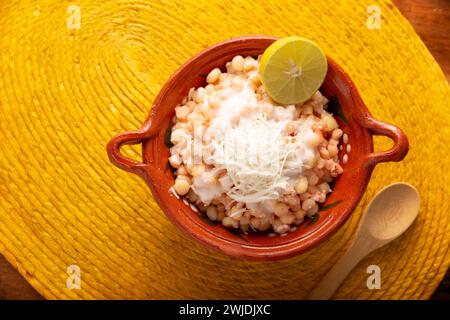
[333, 279]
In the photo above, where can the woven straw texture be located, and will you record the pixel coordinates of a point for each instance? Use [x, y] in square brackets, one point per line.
[65, 92]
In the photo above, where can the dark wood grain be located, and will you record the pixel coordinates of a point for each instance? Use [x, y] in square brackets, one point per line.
[443, 291]
[430, 19]
[13, 286]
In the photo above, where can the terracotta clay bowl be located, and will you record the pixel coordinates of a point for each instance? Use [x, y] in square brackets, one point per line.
[352, 115]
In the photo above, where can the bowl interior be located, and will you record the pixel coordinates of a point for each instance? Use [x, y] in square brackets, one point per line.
[348, 188]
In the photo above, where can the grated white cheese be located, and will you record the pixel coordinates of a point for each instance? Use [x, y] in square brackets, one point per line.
[255, 154]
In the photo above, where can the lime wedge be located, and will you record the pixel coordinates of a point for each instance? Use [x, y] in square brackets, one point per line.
[292, 69]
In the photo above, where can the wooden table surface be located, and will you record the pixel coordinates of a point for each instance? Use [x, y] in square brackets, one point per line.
[430, 19]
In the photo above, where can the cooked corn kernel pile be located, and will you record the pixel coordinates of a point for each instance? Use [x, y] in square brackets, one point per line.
[248, 162]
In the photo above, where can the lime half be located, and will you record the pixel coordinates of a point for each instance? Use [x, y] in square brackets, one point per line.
[292, 69]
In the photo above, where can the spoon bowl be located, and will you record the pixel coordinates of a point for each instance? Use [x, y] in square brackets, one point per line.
[392, 211]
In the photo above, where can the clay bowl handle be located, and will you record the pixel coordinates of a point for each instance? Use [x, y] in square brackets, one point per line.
[398, 151]
[126, 138]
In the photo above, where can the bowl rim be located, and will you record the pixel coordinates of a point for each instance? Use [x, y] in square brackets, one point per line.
[152, 174]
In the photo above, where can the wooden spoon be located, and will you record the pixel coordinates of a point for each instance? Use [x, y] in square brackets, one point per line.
[389, 214]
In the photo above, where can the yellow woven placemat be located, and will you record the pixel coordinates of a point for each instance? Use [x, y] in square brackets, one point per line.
[64, 92]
